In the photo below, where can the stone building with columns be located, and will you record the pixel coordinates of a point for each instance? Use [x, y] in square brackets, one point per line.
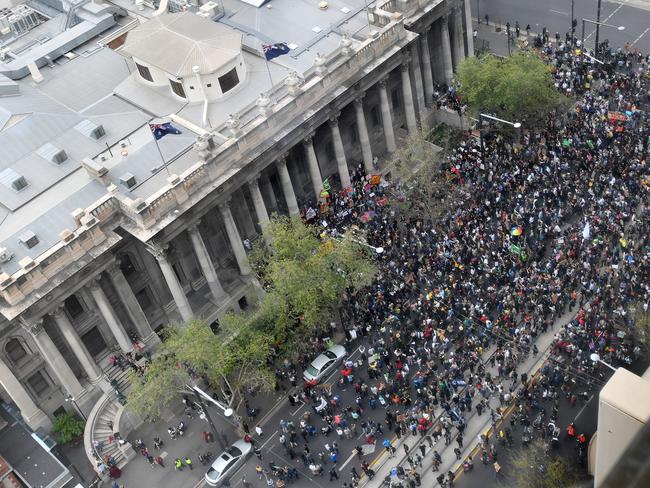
[111, 235]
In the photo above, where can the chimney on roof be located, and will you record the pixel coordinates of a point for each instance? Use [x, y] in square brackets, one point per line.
[95, 170]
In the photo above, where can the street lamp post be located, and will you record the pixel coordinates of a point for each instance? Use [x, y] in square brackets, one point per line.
[597, 23]
[213, 427]
[71, 399]
[596, 359]
[597, 28]
[573, 27]
[482, 116]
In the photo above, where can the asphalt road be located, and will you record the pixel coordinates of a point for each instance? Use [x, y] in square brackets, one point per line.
[273, 451]
[555, 15]
[584, 415]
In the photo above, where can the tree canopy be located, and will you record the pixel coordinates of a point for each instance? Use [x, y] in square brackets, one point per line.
[305, 279]
[532, 467]
[415, 166]
[519, 87]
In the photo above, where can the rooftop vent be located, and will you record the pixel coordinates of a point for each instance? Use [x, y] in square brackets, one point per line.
[28, 238]
[52, 153]
[90, 129]
[5, 255]
[12, 180]
[128, 180]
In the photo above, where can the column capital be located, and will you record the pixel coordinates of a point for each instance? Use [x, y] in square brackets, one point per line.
[334, 119]
[309, 139]
[114, 267]
[406, 63]
[225, 205]
[158, 251]
[358, 101]
[281, 161]
[59, 311]
[254, 180]
[33, 326]
[382, 83]
[93, 284]
[193, 228]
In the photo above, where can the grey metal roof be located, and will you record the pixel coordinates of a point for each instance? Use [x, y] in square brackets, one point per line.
[177, 42]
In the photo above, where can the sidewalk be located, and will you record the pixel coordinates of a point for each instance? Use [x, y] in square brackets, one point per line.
[490, 40]
[139, 473]
[475, 425]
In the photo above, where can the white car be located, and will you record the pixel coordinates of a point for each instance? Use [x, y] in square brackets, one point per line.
[227, 463]
[324, 364]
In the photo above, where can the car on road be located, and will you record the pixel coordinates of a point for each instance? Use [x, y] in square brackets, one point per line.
[324, 364]
[227, 463]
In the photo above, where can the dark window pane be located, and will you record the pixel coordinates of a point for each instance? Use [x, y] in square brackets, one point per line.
[145, 74]
[15, 350]
[229, 80]
[38, 383]
[73, 306]
[177, 88]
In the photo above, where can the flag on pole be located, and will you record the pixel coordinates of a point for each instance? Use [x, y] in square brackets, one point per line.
[161, 130]
[274, 50]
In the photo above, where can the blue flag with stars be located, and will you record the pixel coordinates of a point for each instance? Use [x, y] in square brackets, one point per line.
[274, 50]
[161, 130]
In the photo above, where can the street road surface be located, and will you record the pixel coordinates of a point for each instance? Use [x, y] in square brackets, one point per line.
[555, 15]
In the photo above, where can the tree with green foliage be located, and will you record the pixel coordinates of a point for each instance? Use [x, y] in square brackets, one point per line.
[68, 427]
[305, 279]
[532, 467]
[234, 361]
[519, 87]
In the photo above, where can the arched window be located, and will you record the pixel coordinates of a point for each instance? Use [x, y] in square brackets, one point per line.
[15, 350]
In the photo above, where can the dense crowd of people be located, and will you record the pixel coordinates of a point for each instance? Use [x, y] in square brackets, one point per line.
[553, 226]
[549, 232]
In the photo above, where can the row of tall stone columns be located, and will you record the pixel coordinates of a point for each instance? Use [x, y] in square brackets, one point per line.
[453, 46]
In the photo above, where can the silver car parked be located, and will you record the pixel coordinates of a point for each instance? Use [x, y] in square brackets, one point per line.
[324, 364]
[227, 463]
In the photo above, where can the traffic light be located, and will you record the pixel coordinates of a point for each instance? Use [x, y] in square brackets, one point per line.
[574, 23]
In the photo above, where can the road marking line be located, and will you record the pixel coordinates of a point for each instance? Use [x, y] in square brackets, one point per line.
[347, 461]
[559, 12]
[298, 409]
[164, 454]
[583, 407]
[639, 38]
[621, 5]
[267, 440]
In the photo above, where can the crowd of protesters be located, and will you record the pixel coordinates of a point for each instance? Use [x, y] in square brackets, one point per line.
[551, 227]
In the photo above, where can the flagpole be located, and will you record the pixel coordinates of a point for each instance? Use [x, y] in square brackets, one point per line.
[268, 70]
[162, 158]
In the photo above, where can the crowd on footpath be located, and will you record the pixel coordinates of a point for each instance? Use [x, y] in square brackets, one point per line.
[554, 225]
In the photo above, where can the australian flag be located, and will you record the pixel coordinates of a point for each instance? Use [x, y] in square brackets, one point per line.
[161, 130]
[274, 50]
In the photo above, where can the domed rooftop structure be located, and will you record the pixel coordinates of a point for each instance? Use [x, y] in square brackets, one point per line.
[175, 43]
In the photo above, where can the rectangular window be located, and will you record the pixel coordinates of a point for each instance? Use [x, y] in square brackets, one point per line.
[145, 73]
[177, 88]
[38, 383]
[73, 306]
[229, 80]
[143, 299]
